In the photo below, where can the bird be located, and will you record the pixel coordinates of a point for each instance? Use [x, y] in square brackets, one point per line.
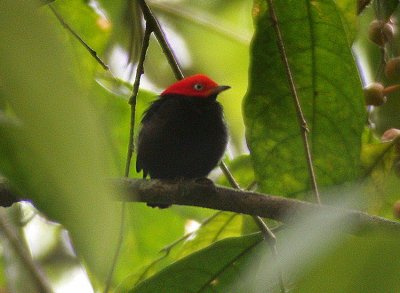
[183, 133]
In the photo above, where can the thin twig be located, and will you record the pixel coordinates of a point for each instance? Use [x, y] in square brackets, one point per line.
[300, 116]
[151, 26]
[152, 21]
[131, 145]
[37, 276]
[229, 175]
[132, 99]
[269, 236]
[87, 47]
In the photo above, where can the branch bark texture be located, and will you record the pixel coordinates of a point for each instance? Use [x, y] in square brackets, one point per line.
[207, 195]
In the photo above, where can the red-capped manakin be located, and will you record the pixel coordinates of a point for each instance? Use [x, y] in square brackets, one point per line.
[183, 133]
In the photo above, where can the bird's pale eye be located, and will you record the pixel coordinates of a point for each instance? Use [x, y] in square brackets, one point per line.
[198, 86]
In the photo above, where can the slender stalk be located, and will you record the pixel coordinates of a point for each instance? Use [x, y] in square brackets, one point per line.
[131, 146]
[151, 20]
[87, 47]
[269, 236]
[152, 25]
[229, 175]
[132, 99]
[37, 276]
[300, 116]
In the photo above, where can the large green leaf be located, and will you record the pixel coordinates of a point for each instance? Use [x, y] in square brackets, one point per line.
[56, 154]
[219, 226]
[212, 269]
[330, 95]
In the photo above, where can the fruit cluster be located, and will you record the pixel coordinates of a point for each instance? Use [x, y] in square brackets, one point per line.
[382, 33]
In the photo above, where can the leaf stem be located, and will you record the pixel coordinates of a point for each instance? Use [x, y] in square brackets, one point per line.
[131, 145]
[300, 116]
[270, 238]
[132, 99]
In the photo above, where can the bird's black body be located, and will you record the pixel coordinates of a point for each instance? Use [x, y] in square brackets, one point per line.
[181, 137]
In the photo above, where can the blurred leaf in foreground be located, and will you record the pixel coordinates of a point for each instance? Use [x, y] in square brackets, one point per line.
[57, 155]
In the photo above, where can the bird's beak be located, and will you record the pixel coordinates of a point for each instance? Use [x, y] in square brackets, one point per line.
[220, 88]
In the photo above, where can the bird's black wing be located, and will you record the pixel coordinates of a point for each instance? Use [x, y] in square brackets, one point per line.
[147, 115]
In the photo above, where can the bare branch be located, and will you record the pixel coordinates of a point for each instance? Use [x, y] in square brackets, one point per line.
[282, 209]
[162, 40]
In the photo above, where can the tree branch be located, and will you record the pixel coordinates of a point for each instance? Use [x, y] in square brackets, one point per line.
[210, 196]
[151, 20]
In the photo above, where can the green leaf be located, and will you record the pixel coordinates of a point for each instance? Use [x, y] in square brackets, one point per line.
[380, 184]
[56, 155]
[378, 158]
[211, 269]
[360, 264]
[219, 226]
[330, 94]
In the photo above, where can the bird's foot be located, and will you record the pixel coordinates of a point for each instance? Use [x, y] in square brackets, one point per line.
[160, 206]
[204, 181]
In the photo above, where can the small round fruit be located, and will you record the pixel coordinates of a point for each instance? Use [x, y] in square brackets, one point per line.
[390, 134]
[374, 95]
[392, 68]
[380, 32]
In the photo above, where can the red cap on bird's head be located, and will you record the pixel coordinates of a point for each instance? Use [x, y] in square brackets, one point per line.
[198, 85]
